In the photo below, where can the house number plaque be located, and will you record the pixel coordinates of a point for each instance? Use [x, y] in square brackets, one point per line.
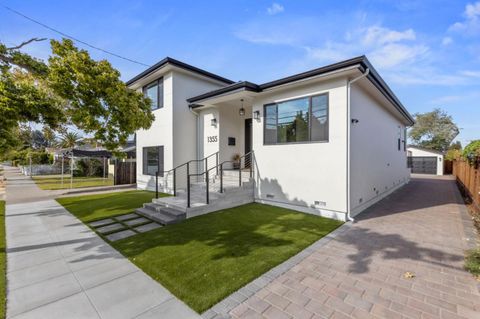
[212, 139]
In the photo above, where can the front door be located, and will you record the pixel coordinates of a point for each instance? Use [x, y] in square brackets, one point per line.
[248, 141]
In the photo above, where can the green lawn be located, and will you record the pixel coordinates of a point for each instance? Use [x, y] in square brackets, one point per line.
[2, 259]
[204, 259]
[92, 207]
[49, 182]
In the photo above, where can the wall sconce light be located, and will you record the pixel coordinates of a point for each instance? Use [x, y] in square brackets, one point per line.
[213, 122]
[242, 110]
[256, 115]
[354, 121]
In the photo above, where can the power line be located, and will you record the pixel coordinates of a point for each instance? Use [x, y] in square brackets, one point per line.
[70, 37]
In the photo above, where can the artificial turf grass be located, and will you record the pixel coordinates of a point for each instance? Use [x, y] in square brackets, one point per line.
[52, 183]
[89, 208]
[2, 260]
[204, 259]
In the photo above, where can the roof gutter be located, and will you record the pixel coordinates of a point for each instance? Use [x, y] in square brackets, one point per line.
[349, 124]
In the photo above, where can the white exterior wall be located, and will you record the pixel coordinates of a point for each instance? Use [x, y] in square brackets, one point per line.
[423, 153]
[377, 167]
[185, 126]
[297, 175]
[160, 133]
[174, 126]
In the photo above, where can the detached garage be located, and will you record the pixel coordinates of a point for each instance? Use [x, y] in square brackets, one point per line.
[425, 161]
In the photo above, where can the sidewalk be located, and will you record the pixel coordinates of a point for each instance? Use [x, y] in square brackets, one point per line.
[58, 268]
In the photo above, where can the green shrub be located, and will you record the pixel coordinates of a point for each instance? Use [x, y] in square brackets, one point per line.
[472, 261]
[89, 168]
[471, 151]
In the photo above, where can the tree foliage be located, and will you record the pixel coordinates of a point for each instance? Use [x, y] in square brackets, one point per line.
[71, 89]
[472, 151]
[434, 130]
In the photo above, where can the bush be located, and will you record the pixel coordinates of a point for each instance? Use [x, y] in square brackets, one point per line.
[89, 167]
[472, 261]
[471, 151]
[22, 157]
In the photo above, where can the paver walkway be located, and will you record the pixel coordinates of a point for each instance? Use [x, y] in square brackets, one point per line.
[58, 268]
[421, 228]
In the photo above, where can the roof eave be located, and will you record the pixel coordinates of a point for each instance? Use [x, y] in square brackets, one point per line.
[178, 64]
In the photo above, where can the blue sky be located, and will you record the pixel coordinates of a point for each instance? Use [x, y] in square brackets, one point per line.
[427, 51]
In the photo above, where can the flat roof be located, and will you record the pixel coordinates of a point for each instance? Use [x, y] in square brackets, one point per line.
[180, 64]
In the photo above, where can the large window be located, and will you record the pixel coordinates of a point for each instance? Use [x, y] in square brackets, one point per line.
[153, 160]
[299, 120]
[154, 91]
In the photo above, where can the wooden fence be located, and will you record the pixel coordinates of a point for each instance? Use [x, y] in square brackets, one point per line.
[125, 173]
[468, 175]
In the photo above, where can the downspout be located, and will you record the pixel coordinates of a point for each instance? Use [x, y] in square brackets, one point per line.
[349, 83]
[197, 120]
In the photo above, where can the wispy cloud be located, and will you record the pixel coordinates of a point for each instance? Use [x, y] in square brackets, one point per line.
[275, 8]
[470, 25]
[447, 41]
[471, 73]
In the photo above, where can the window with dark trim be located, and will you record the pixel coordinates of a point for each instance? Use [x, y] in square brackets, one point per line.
[154, 91]
[153, 160]
[298, 120]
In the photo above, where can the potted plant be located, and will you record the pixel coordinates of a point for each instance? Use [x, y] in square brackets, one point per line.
[236, 161]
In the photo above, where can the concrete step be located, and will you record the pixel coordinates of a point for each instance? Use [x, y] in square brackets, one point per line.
[162, 218]
[163, 209]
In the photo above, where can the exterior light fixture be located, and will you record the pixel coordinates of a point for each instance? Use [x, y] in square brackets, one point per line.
[242, 110]
[256, 115]
[213, 122]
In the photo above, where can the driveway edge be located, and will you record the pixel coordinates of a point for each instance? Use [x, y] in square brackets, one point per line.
[222, 309]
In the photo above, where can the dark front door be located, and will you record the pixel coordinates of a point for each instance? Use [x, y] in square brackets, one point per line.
[248, 141]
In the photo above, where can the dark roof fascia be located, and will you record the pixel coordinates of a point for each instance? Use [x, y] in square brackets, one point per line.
[383, 87]
[362, 61]
[245, 85]
[179, 64]
[315, 72]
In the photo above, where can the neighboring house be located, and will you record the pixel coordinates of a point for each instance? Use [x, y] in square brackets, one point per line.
[425, 161]
[330, 141]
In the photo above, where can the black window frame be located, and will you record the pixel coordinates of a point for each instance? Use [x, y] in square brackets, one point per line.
[160, 160]
[310, 97]
[160, 94]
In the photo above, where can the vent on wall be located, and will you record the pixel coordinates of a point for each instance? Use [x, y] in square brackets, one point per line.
[270, 196]
[320, 203]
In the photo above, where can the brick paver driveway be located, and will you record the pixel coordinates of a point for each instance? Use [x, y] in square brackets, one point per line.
[360, 274]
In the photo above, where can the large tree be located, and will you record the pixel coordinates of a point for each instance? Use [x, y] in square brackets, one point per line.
[71, 89]
[435, 130]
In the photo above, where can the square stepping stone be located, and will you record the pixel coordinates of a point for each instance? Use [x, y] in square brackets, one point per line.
[135, 222]
[101, 222]
[120, 235]
[126, 217]
[147, 227]
[110, 228]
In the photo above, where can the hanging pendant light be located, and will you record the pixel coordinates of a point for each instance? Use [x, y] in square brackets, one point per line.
[242, 110]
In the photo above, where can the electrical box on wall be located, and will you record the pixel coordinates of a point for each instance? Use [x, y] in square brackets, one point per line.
[231, 141]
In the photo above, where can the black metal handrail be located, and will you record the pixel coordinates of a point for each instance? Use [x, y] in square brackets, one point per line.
[217, 167]
[174, 170]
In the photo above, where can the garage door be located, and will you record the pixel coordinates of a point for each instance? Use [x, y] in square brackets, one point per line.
[423, 164]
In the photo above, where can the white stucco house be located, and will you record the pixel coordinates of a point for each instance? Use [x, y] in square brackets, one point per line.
[425, 161]
[330, 141]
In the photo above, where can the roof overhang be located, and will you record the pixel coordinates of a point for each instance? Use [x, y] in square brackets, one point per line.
[348, 66]
[163, 65]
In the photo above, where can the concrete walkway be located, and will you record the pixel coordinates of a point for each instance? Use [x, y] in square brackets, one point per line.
[58, 268]
[423, 229]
